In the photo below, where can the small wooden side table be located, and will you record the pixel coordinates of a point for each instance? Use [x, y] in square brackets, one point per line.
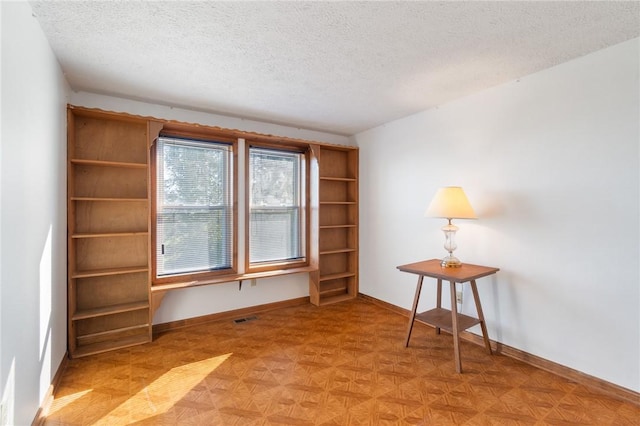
[440, 318]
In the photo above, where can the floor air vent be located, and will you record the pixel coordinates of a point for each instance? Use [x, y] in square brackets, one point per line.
[240, 320]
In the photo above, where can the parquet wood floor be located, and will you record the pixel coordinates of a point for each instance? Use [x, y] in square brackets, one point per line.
[343, 364]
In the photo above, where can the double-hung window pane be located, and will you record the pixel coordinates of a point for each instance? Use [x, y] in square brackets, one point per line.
[194, 208]
[276, 200]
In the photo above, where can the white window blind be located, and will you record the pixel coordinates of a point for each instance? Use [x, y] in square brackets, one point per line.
[276, 200]
[194, 208]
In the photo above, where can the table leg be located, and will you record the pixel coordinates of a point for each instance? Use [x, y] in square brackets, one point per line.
[454, 326]
[483, 326]
[412, 317]
[439, 300]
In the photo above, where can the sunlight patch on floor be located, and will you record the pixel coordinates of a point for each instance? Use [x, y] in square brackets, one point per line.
[60, 402]
[163, 393]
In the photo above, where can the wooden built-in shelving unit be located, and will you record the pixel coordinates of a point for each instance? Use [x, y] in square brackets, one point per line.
[337, 275]
[111, 296]
[108, 226]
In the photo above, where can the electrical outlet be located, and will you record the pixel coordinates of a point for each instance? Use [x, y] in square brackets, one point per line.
[253, 282]
[459, 297]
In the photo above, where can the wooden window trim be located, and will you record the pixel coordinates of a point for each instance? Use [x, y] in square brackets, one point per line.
[278, 265]
[196, 276]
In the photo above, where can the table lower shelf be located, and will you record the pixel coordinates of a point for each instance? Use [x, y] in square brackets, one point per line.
[441, 318]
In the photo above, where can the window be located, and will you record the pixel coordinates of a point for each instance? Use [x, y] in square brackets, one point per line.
[276, 206]
[194, 207]
[195, 225]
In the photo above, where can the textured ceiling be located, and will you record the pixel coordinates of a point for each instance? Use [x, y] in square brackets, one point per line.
[341, 67]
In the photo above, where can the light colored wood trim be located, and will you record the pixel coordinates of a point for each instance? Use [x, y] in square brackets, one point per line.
[45, 406]
[328, 300]
[338, 179]
[153, 132]
[104, 114]
[101, 163]
[314, 288]
[153, 208]
[234, 314]
[109, 271]
[109, 345]
[229, 278]
[610, 389]
[71, 229]
[108, 234]
[126, 200]
[247, 207]
[154, 127]
[306, 151]
[199, 277]
[330, 277]
[200, 129]
[109, 310]
[234, 195]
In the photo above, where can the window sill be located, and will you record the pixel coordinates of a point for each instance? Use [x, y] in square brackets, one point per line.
[156, 288]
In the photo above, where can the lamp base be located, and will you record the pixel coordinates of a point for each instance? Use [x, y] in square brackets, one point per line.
[450, 262]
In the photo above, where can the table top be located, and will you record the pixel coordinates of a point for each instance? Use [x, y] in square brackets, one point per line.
[432, 268]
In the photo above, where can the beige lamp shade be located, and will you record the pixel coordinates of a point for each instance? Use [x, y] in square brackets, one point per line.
[450, 202]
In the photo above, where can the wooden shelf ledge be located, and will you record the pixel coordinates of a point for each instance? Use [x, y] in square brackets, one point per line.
[144, 327]
[109, 199]
[96, 348]
[338, 179]
[110, 234]
[330, 277]
[338, 203]
[335, 299]
[159, 288]
[339, 250]
[109, 271]
[109, 310]
[102, 163]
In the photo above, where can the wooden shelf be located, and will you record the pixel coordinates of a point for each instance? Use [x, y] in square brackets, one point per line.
[110, 234]
[85, 337]
[337, 203]
[96, 348]
[230, 278]
[335, 299]
[330, 277]
[338, 179]
[109, 310]
[110, 271]
[440, 317]
[101, 163]
[331, 292]
[108, 199]
[340, 250]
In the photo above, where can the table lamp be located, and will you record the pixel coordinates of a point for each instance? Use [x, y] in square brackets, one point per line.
[450, 203]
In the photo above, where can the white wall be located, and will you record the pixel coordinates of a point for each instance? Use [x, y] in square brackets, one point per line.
[33, 221]
[205, 300]
[551, 165]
